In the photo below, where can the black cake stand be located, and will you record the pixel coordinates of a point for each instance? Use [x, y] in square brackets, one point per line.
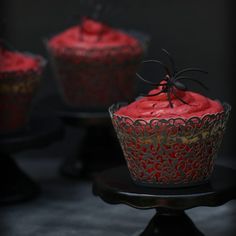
[99, 138]
[15, 185]
[115, 186]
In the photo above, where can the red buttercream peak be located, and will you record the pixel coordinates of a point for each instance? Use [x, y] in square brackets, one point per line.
[90, 26]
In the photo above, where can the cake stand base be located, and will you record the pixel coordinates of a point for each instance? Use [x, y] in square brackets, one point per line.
[99, 148]
[171, 223]
[15, 185]
[94, 153]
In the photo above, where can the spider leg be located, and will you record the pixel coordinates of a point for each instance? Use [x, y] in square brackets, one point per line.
[160, 63]
[175, 94]
[189, 70]
[173, 67]
[169, 98]
[191, 79]
[148, 82]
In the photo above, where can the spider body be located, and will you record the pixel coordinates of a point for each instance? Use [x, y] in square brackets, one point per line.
[180, 86]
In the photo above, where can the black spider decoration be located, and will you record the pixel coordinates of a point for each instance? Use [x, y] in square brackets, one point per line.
[172, 79]
[98, 10]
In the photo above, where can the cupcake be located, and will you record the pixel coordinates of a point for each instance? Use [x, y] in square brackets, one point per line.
[170, 137]
[95, 64]
[19, 78]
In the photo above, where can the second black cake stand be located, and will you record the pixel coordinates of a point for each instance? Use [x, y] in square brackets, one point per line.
[97, 145]
[15, 185]
[115, 186]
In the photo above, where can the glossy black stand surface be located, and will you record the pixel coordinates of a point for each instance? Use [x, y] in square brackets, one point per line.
[90, 156]
[115, 186]
[15, 185]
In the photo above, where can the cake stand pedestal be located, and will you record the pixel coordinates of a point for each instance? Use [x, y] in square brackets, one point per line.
[115, 186]
[15, 185]
[98, 144]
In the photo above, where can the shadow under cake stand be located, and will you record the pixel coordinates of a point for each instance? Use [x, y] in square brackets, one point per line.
[115, 186]
[98, 143]
[15, 185]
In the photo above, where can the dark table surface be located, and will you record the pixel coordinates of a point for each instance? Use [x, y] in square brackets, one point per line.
[68, 208]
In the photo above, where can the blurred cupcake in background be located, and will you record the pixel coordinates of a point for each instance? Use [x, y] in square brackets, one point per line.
[171, 136]
[20, 75]
[95, 64]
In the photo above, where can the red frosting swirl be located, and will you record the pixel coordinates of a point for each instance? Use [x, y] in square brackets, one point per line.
[16, 62]
[158, 106]
[91, 34]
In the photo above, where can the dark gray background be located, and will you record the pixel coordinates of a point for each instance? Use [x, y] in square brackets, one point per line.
[198, 33]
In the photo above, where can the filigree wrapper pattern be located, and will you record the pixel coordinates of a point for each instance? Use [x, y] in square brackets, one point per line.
[96, 78]
[170, 153]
